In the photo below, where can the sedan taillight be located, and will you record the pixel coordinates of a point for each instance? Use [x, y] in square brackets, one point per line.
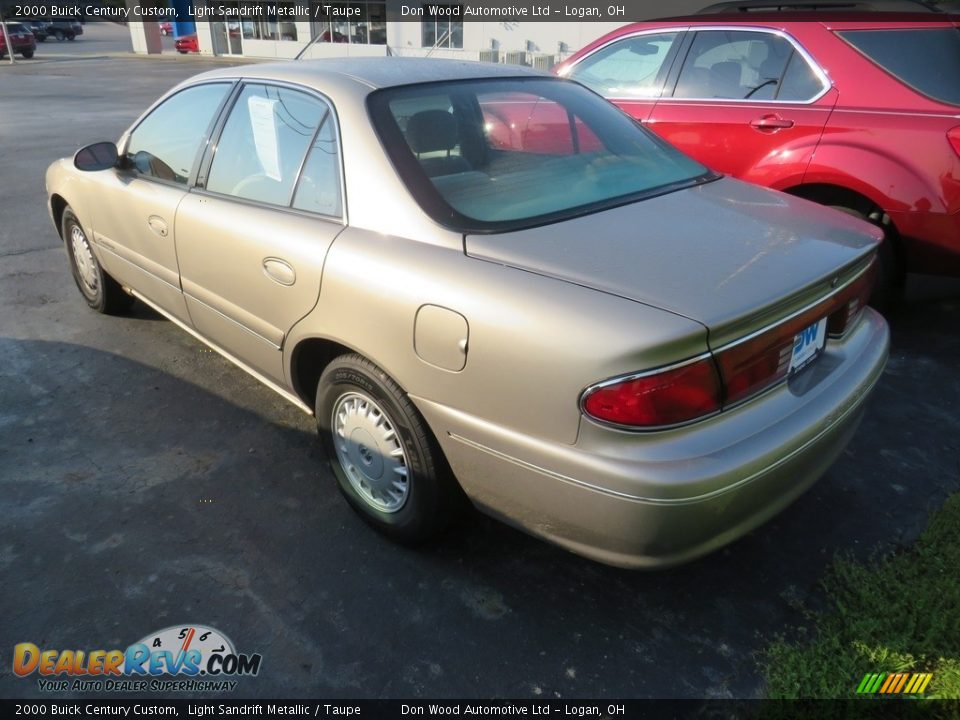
[752, 366]
[661, 398]
[851, 301]
[693, 390]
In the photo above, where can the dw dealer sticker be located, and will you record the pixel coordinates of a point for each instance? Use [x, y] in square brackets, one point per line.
[180, 658]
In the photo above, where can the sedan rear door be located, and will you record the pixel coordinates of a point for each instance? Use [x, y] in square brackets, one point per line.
[253, 235]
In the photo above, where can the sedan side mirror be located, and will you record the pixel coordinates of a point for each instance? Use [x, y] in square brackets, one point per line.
[99, 156]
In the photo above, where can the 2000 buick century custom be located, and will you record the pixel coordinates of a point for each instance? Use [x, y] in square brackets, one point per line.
[492, 284]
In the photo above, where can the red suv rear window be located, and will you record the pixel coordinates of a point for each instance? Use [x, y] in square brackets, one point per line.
[925, 59]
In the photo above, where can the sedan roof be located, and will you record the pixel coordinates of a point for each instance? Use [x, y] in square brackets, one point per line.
[374, 72]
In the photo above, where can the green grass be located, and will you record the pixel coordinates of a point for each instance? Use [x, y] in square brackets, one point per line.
[899, 613]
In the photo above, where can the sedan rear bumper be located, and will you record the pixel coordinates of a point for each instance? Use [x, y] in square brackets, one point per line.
[644, 500]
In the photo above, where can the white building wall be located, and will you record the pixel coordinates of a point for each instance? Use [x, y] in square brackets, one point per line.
[550, 38]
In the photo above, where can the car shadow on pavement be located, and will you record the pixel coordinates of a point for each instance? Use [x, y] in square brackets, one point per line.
[134, 500]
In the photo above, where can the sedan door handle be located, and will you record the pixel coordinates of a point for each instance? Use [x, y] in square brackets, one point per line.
[279, 271]
[158, 225]
[771, 122]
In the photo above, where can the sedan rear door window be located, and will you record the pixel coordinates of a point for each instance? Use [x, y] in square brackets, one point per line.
[318, 189]
[264, 142]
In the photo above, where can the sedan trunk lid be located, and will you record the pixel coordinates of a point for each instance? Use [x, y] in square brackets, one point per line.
[729, 255]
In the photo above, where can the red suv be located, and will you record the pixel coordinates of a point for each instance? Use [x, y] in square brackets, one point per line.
[21, 39]
[845, 110]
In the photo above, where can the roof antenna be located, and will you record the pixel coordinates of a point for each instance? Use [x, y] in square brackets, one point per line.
[308, 45]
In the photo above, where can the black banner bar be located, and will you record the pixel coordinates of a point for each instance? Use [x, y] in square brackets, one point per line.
[472, 709]
[331, 11]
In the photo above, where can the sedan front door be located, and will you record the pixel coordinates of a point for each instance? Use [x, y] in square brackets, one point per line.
[133, 218]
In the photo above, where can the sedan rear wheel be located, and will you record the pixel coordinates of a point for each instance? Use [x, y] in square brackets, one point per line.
[101, 291]
[385, 459]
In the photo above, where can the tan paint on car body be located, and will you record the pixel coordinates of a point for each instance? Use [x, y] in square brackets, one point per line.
[539, 334]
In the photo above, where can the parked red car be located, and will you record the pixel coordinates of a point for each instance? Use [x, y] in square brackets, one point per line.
[21, 39]
[187, 44]
[839, 108]
[166, 28]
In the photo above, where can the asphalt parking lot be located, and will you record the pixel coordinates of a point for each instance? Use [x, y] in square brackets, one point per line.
[146, 482]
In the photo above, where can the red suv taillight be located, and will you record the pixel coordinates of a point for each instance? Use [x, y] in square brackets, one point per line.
[660, 398]
[682, 393]
[953, 135]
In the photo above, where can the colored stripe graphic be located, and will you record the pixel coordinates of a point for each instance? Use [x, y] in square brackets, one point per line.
[887, 683]
[894, 683]
[914, 682]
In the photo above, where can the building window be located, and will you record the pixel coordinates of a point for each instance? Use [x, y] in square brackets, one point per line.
[278, 25]
[363, 23]
[442, 28]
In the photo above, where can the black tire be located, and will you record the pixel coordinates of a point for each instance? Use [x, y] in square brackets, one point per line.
[432, 499]
[101, 291]
[27, 54]
[891, 274]
[71, 37]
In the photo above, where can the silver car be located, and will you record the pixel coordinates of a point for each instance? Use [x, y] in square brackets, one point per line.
[488, 284]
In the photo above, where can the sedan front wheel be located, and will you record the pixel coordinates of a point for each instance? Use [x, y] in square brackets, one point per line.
[385, 459]
[101, 291]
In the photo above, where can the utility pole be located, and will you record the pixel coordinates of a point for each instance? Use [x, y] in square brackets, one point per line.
[6, 38]
[3, 26]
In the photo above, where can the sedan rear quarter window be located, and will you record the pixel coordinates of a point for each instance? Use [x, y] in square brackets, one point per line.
[925, 59]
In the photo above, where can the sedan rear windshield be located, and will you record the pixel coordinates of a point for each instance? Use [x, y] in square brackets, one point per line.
[491, 155]
[926, 59]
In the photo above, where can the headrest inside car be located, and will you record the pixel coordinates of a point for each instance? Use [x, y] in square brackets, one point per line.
[431, 130]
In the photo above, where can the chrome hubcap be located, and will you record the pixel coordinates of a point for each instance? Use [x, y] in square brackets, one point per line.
[83, 256]
[370, 452]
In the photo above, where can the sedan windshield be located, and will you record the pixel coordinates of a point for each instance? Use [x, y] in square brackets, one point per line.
[501, 154]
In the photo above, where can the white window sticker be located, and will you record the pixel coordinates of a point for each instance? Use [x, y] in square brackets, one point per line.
[263, 122]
